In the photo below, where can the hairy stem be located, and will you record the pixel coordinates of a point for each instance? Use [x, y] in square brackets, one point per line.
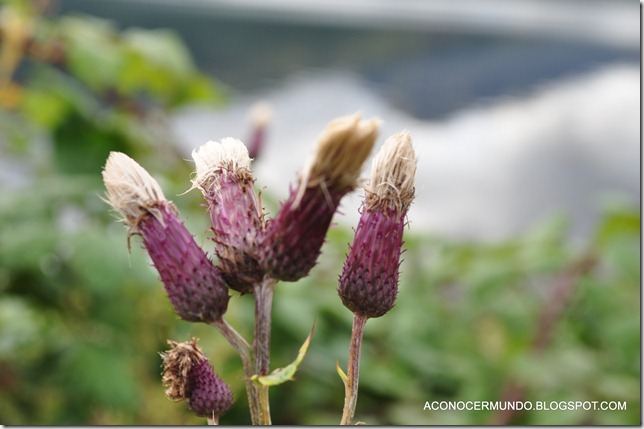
[351, 382]
[245, 353]
[263, 308]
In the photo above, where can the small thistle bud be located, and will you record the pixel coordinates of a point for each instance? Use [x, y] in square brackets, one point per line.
[260, 116]
[223, 175]
[194, 286]
[187, 375]
[294, 239]
[369, 281]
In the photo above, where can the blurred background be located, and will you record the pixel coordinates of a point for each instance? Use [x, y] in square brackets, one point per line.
[521, 277]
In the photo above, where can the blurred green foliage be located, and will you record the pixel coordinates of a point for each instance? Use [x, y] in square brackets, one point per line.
[463, 327]
[82, 320]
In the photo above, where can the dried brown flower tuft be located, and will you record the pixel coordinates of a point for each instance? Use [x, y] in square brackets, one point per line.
[177, 363]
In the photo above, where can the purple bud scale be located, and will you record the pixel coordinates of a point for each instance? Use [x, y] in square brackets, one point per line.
[236, 221]
[294, 238]
[369, 281]
[208, 395]
[194, 286]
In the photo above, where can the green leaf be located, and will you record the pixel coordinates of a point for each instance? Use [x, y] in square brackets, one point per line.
[44, 107]
[93, 52]
[619, 221]
[202, 89]
[341, 373]
[282, 375]
[103, 374]
[162, 48]
[157, 63]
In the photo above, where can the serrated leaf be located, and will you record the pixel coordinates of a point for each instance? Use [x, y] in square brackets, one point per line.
[282, 375]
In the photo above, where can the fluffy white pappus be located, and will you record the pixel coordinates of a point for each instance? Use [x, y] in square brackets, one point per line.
[210, 157]
[130, 188]
[393, 172]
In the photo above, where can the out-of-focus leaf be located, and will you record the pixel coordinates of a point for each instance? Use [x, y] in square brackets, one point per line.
[19, 328]
[44, 107]
[93, 53]
[161, 48]
[158, 63]
[82, 146]
[104, 375]
[200, 88]
[618, 221]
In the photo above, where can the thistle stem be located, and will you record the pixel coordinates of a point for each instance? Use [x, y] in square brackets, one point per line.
[213, 421]
[263, 309]
[245, 353]
[351, 382]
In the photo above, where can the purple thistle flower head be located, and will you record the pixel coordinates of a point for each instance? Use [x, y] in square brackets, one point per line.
[294, 238]
[187, 375]
[223, 175]
[194, 286]
[369, 281]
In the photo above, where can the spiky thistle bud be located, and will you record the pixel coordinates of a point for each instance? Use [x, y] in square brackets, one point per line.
[223, 175]
[194, 286]
[294, 238]
[187, 375]
[369, 281]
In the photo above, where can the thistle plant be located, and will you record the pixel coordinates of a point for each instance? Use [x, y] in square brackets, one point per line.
[253, 252]
[188, 376]
[369, 281]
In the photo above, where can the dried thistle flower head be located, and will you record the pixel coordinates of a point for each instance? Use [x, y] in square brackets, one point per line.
[392, 175]
[294, 238]
[223, 175]
[211, 157]
[130, 189]
[187, 375]
[340, 152]
[369, 281]
[177, 363]
[194, 286]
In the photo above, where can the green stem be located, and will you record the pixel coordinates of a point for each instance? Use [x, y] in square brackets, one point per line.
[351, 382]
[245, 353]
[263, 309]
